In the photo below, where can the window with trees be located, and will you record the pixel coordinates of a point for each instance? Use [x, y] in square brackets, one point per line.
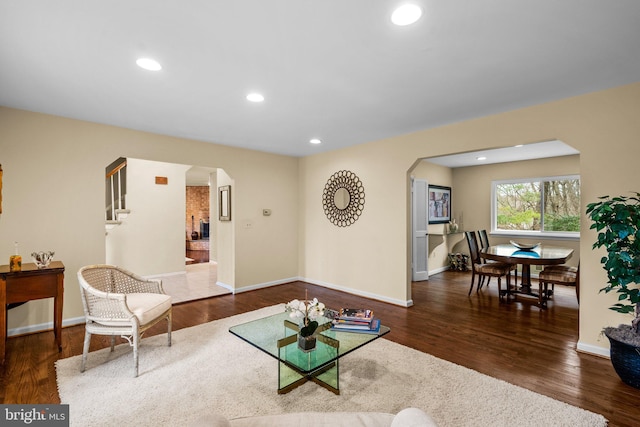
[542, 206]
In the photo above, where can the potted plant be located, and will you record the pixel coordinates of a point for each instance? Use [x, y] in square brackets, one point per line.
[617, 221]
[306, 312]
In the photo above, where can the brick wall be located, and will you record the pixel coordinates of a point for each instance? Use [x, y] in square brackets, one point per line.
[198, 206]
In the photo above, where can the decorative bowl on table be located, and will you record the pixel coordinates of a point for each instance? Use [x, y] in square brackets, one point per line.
[525, 246]
[42, 259]
[526, 253]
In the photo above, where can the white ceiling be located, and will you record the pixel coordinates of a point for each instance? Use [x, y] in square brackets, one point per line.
[332, 69]
[199, 176]
[539, 150]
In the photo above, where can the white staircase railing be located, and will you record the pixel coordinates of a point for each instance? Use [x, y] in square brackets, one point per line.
[115, 193]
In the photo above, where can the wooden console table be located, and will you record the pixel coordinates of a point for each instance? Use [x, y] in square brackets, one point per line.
[30, 284]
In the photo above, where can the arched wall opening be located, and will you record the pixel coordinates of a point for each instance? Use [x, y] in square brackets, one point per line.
[470, 183]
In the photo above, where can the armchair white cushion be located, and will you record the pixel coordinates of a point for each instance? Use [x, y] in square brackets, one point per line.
[119, 302]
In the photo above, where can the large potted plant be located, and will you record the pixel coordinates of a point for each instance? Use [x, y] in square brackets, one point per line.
[617, 221]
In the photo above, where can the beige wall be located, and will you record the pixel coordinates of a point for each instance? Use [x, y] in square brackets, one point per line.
[150, 240]
[368, 257]
[53, 199]
[371, 256]
[53, 196]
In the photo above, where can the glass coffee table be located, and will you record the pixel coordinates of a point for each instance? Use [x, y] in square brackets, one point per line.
[277, 336]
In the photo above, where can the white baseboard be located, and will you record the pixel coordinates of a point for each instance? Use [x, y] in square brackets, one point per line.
[44, 326]
[438, 270]
[228, 287]
[352, 291]
[592, 349]
[258, 285]
[403, 303]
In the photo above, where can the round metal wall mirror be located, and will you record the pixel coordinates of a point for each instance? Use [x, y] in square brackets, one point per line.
[343, 198]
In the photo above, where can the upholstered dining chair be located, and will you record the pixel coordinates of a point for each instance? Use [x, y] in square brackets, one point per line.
[559, 275]
[486, 269]
[119, 302]
[484, 239]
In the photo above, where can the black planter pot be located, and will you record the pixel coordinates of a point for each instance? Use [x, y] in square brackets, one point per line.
[625, 359]
[307, 344]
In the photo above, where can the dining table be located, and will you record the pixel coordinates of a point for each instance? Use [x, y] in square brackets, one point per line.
[527, 255]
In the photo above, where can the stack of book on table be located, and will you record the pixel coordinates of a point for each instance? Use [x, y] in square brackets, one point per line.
[356, 320]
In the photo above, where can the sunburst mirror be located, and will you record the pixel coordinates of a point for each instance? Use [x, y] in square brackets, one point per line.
[343, 198]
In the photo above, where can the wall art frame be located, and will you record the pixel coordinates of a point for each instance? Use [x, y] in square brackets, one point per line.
[224, 203]
[439, 204]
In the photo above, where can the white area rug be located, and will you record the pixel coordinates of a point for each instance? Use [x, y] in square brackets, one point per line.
[209, 370]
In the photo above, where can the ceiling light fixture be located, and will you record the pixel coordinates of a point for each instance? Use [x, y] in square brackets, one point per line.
[406, 14]
[255, 97]
[149, 64]
[315, 141]
[481, 158]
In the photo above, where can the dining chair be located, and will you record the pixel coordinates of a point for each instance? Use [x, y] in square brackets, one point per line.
[557, 275]
[118, 302]
[484, 239]
[486, 269]
[484, 243]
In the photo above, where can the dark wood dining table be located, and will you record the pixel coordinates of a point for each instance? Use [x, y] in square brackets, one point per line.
[539, 255]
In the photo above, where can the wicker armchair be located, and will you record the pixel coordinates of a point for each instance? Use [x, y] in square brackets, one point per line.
[118, 302]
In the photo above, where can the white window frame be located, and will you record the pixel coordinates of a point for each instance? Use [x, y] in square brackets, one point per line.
[565, 235]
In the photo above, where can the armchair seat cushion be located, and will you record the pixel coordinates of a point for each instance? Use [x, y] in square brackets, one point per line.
[146, 307]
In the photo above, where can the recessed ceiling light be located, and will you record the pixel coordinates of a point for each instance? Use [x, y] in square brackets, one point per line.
[315, 141]
[149, 64]
[255, 97]
[481, 158]
[406, 14]
[519, 145]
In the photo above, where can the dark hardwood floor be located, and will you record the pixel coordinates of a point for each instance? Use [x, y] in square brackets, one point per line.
[515, 342]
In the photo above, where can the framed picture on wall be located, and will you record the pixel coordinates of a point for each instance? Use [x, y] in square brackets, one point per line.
[224, 203]
[439, 204]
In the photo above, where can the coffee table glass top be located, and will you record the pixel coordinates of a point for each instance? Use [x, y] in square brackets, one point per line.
[265, 334]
